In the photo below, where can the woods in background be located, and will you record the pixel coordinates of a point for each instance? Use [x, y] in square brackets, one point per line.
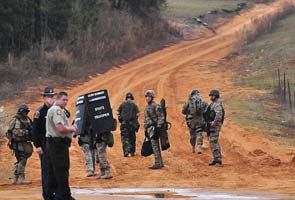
[49, 37]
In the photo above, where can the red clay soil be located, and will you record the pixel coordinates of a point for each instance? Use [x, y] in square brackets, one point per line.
[251, 161]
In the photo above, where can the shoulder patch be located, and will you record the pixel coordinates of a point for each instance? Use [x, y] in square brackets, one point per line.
[58, 112]
[37, 114]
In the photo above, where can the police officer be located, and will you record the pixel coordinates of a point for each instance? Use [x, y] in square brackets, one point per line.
[194, 110]
[39, 132]
[19, 135]
[59, 133]
[215, 117]
[128, 113]
[153, 121]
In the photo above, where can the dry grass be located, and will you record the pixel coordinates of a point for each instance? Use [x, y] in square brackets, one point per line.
[59, 61]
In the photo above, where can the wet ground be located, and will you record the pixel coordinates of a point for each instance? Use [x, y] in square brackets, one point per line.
[166, 193]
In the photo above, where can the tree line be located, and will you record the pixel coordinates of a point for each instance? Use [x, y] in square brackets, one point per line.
[24, 23]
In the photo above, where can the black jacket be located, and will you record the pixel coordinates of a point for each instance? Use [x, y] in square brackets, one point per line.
[39, 126]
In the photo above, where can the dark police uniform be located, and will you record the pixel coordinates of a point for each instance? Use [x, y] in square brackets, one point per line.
[39, 139]
[57, 145]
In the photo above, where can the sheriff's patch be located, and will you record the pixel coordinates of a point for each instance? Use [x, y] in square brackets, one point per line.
[58, 112]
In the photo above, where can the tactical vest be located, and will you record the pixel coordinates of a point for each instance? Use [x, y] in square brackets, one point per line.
[210, 114]
[19, 129]
[128, 112]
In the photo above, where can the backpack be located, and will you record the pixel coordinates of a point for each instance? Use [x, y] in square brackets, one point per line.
[128, 112]
[195, 105]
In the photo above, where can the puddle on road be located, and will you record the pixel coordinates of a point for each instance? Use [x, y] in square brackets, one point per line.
[167, 193]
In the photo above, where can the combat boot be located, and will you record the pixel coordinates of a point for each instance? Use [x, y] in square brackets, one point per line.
[15, 180]
[156, 167]
[107, 174]
[193, 149]
[90, 173]
[102, 173]
[200, 150]
[215, 163]
[23, 181]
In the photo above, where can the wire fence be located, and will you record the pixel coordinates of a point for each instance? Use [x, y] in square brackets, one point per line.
[284, 90]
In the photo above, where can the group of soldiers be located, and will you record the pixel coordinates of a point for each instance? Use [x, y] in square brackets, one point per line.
[51, 133]
[201, 117]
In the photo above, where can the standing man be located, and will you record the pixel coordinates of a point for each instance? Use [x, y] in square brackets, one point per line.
[19, 135]
[194, 110]
[128, 113]
[214, 118]
[39, 133]
[153, 121]
[59, 133]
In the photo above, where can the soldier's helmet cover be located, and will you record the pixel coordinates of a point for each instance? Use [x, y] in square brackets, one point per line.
[23, 108]
[129, 95]
[214, 92]
[194, 92]
[150, 93]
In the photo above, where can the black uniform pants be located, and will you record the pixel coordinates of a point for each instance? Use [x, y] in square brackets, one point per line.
[58, 164]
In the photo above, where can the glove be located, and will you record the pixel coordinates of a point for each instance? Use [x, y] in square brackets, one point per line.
[213, 125]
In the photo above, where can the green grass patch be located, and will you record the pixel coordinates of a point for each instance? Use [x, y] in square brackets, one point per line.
[256, 111]
[268, 52]
[258, 69]
[193, 8]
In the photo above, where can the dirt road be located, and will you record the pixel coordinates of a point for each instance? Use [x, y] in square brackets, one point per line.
[251, 162]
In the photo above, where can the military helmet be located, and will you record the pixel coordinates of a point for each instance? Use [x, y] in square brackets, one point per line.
[23, 108]
[214, 92]
[150, 93]
[195, 91]
[129, 95]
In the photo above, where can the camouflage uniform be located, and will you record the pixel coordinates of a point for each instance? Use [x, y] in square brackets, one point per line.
[154, 119]
[101, 146]
[128, 127]
[90, 153]
[195, 123]
[216, 108]
[20, 142]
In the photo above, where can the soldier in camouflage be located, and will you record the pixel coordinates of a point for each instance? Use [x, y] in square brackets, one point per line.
[19, 135]
[87, 144]
[215, 118]
[153, 121]
[194, 109]
[101, 146]
[128, 113]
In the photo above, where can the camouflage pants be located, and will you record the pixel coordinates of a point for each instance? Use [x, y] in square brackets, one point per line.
[196, 136]
[156, 147]
[128, 138]
[89, 157]
[20, 165]
[215, 146]
[102, 156]
[22, 151]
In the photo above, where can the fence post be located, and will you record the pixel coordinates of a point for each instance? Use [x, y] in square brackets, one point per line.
[290, 98]
[279, 76]
[285, 87]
